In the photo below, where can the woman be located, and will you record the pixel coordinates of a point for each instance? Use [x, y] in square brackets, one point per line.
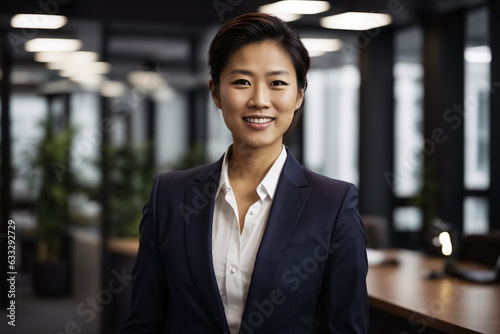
[254, 243]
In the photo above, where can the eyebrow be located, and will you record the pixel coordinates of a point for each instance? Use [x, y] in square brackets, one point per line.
[249, 73]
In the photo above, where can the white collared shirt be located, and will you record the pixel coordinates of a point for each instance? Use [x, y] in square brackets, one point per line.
[234, 253]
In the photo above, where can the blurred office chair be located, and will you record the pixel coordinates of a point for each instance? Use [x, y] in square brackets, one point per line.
[480, 248]
[376, 231]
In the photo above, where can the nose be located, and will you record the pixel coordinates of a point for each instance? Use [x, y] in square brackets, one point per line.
[260, 97]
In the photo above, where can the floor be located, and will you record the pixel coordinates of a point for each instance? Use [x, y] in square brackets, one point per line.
[36, 315]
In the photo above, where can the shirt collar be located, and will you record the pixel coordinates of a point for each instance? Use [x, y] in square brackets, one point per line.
[268, 184]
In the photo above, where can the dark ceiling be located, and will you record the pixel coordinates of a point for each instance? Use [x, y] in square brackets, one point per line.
[199, 13]
[169, 32]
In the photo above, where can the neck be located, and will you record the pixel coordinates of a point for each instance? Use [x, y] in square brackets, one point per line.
[252, 163]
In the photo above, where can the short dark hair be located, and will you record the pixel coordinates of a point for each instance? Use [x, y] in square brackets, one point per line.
[255, 28]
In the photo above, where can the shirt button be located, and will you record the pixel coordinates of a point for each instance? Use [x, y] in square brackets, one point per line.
[233, 270]
[253, 212]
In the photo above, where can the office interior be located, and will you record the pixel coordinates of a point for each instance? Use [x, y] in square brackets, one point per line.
[407, 109]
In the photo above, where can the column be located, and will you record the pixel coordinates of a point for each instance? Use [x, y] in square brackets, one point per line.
[376, 135]
[443, 189]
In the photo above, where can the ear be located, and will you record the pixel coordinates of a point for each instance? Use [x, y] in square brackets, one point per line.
[300, 96]
[214, 91]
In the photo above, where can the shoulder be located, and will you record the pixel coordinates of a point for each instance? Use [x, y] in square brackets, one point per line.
[174, 180]
[327, 186]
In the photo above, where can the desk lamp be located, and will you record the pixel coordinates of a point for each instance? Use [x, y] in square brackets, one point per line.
[437, 238]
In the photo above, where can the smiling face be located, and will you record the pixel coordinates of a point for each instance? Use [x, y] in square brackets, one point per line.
[258, 94]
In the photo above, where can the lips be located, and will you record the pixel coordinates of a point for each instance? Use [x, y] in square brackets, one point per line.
[258, 120]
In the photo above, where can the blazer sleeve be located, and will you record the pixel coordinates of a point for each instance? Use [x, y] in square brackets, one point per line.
[149, 290]
[344, 303]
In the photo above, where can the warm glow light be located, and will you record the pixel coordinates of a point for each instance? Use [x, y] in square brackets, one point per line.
[85, 68]
[52, 44]
[355, 21]
[478, 54]
[445, 241]
[38, 21]
[66, 57]
[295, 7]
[113, 89]
[318, 46]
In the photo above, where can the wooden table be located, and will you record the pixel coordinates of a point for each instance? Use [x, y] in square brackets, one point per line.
[447, 304]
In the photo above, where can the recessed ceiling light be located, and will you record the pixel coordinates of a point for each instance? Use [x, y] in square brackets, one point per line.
[38, 21]
[162, 93]
[81, 77]
[287, 17]
[356, 21]
[88, 81]
[295, 7]
[70, 57]
[318, 46]
[112, 89]
[316, 53]
[85, 68]
[148, 80]
[478, 54]
[52, 44]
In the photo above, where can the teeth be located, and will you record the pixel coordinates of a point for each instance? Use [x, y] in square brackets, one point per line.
[258, 120]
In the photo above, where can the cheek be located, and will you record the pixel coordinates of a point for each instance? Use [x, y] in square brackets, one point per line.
[286, 104]
[231, 99]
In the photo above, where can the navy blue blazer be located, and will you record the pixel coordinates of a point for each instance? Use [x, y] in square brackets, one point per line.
[310, 270]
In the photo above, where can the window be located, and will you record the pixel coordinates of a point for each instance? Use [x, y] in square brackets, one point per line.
[477, 56]
[408, 118]
[331, 122]
[408, 128]
[476, 105]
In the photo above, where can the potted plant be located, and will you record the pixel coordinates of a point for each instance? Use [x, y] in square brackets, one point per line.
[131, 174]
[52, 184]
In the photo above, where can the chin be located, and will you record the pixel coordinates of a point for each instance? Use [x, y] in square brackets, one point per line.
[259, 142]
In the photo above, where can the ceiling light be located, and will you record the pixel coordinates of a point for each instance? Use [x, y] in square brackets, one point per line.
[69, 57]
[38, 21]
[287, 17]
[112, 89]
[85, 68]
[318, 46]
[83, 77]
[52, 44]
[316, 53]
[355, 21]
[295, 7]
[162, 94]
[148, 80]
[478, 54]
[88, 81]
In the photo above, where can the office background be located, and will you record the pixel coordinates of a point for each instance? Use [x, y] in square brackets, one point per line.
[406, 111]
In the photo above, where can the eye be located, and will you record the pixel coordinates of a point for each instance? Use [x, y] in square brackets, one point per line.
[241, 82]
[278, 83]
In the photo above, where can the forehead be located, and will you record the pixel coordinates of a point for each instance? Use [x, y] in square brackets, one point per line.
[265, 56]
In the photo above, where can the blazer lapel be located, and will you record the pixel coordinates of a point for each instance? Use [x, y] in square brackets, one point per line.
[291, 195]
[198, 209]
